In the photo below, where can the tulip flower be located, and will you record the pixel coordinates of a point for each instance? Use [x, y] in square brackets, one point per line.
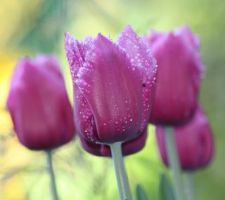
[128, 148]
[40, 109]
[113, 90]
[38, 103]
[178, 82]
[194, 142]
[178, 77]
[113, 85]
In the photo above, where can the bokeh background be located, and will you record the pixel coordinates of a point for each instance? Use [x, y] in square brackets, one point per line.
[30, 27]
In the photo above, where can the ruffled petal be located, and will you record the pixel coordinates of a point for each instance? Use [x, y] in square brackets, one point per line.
[78, 54]
[83, 116]
[141, 58]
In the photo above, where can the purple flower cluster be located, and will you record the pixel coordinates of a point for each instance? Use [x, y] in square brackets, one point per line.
[118, 90]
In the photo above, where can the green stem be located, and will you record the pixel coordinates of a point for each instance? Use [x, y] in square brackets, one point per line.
[51, 175]
[121, 176]
[189, 185]
[174, 164]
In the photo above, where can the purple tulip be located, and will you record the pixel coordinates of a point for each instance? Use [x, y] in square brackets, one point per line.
[178, 77]
[39, 105]
[113, 85]
[194, 142]
[130, 147]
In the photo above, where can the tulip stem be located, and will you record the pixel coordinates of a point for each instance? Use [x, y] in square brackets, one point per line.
[174, 164]
[189, 185]
[121, 176]
[51, 175]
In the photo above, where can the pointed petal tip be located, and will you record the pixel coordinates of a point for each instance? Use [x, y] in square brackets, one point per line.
[186, 31]
[127, 32]
[67, 36]
[69, 40]
[128, 29]
[183, 28]
[153, 35]
[101, 37]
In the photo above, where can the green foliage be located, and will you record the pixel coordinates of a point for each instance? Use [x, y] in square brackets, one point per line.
[166, 191]
[140, 193]
[41, 30]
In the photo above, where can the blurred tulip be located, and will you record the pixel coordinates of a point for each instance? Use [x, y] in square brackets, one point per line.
[194, 142]
[39, 105]
[113, 86]
[128, 148]
[178, 77]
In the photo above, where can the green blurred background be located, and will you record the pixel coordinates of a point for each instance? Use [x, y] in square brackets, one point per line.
[29, 27]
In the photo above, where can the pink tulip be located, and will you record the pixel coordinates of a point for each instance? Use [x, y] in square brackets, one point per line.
[39, 105]
[194, 142]
[178, 77]
[113, 86]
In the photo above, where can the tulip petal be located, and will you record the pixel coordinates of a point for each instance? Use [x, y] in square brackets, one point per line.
[84, 118]
[39, 106]
[193, 41]
[139, 53]
[187, 34]
[78, 53]
[153, 36]
[130, 147]
[194, 142]
[178, 80]
[113, 92]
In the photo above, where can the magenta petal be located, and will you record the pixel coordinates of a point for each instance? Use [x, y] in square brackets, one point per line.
[113, 92]
[78, 53]
[135, 145]
[139, 53]
[75, 57]
[154, 36]
[50, 63]
[194, 142]
[192, 40]
[39, 106]
[83, 117]
[141, 58]
[187, 35]
[178, 80]
[130, 147]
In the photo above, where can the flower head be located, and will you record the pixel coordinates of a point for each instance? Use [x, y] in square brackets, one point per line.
[39, 105]
[194, 142]
[178, 77]
[113, 85]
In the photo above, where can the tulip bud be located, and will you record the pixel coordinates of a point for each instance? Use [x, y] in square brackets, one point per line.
[178, 77]
[194, 142]
[39, 105]
[113, 85]
[130, 147]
